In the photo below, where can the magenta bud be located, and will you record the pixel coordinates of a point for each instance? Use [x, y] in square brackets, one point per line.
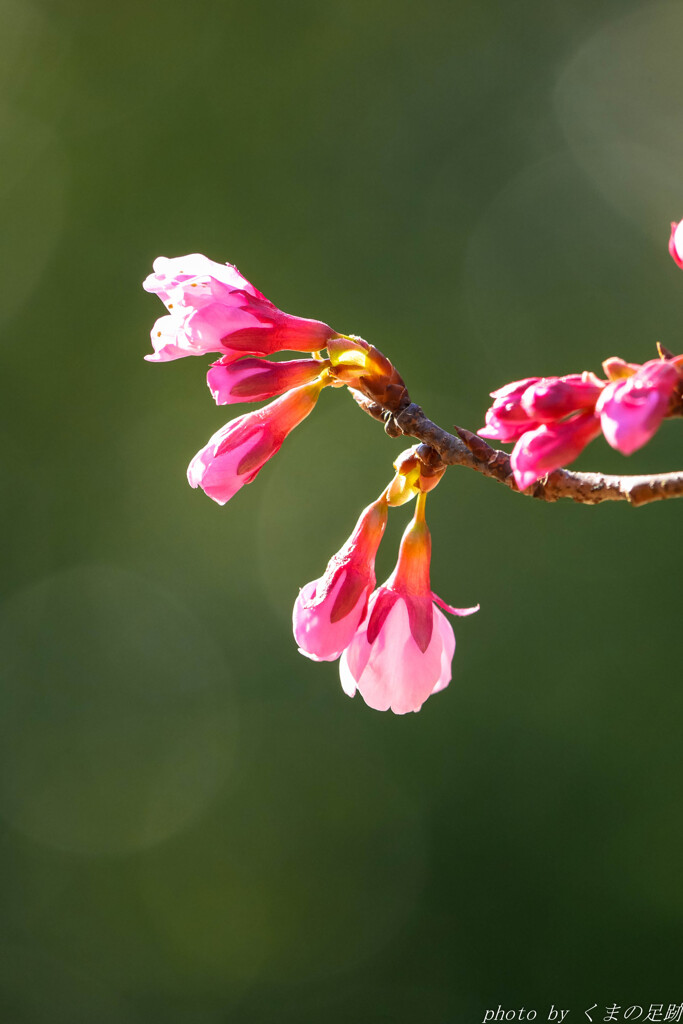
[551, 446]
[329, 610]
[252, 380]
[238, 451]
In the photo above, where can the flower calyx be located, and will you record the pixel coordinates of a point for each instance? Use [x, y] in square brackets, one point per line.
[364, 368]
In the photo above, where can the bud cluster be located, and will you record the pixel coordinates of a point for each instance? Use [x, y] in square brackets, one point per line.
[212, 308]
[552, 419]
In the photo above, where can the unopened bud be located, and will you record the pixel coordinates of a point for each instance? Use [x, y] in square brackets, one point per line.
[418, 470]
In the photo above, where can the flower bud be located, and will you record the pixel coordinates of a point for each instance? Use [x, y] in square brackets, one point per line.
[551, 446]
[329, 610]
[363, 367]
[632, 409]
[252, 380]
[237, 452]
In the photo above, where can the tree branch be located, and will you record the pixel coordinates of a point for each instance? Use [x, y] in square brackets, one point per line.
[467, 449]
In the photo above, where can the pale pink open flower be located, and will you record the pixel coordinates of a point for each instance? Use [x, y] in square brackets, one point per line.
[252, 380]
[402, 651]
[238, 451]
[631, 409]
[676, 243]
[550, 446]
[213, 308]
[329, 610]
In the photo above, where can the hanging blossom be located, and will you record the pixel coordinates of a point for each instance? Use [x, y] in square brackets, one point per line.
[213, 308]
[631, 408]
[329, 610]
[252, 380]
[403, 650]
[552, 419]
[396, 647]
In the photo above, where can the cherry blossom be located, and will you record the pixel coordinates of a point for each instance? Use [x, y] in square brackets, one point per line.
[213, 308]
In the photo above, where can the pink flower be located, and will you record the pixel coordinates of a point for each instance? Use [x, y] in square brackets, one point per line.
[252, 380]
[507, 420]
[212, 308]
[550, 446]
[403, 650]
[328, 611]
[676, 243]
[550, 418]
[631, 409]
[238, 451]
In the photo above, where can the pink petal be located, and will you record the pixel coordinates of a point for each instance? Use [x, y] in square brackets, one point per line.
[317, 636]
[393, 673]
[445, 629]
[676, 243]
[632, 409]
[551, 446]
[252, 380]
[355, 658]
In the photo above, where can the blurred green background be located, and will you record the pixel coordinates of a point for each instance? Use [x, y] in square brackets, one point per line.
[196, 825]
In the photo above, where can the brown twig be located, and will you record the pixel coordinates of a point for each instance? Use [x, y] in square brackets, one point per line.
[467, 449]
